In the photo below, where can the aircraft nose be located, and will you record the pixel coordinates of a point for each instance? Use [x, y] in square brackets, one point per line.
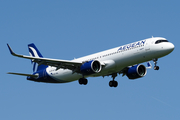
[171, 47]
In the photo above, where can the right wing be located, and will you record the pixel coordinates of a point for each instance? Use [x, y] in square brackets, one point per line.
[65, 64]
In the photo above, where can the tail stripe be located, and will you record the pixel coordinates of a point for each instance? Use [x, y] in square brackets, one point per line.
[33, 51]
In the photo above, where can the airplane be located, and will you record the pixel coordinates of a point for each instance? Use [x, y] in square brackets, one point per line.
[126, 60]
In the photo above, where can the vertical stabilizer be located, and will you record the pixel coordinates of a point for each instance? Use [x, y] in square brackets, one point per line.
[34, 52]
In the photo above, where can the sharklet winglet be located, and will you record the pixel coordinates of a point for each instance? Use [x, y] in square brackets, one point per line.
[12, 52]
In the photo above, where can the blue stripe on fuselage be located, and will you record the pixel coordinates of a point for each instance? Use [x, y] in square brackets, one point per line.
[44, 77]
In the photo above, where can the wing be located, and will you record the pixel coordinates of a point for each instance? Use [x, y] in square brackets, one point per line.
[65, 64]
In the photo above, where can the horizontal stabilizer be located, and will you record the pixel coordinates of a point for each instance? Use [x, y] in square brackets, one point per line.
[29, 75]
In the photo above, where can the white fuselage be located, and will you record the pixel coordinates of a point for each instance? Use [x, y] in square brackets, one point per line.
[114, 60]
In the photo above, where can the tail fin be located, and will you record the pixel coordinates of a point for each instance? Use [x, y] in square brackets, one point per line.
[33, 51]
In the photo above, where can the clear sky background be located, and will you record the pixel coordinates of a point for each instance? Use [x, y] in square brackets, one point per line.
[68, 29]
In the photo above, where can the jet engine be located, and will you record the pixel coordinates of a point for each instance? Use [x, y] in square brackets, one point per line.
[136, 71]
[90, 67]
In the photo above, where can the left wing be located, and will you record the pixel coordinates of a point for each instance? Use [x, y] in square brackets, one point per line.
[65, 64]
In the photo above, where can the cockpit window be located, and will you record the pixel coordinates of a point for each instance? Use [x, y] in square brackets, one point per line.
[160, 41]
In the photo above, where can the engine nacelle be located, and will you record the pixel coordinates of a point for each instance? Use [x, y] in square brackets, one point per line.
[136, 71]
[90, 67]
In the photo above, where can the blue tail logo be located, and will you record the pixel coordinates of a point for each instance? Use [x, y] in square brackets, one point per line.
[34, 52]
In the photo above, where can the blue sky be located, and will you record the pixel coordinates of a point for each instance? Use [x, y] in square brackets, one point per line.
[70, 29]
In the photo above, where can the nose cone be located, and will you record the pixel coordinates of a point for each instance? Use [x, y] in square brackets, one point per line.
[170, 47]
